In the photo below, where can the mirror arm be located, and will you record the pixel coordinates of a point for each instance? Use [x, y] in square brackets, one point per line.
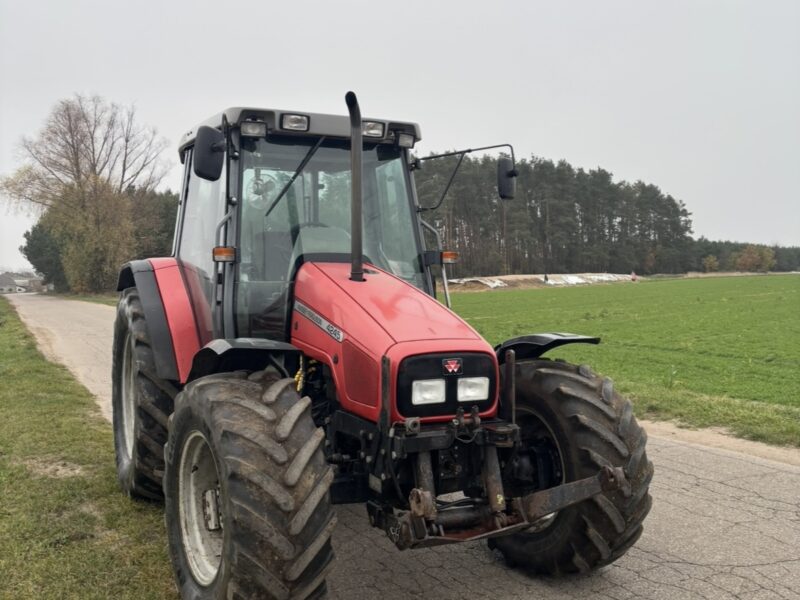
[469, 150]
[461, 154]
[227, 147]
[447, 187]
[227, 144]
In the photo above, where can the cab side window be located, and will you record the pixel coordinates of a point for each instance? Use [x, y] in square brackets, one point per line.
[203, 211]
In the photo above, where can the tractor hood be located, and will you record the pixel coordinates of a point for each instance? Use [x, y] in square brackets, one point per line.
[400, 310]
[357, 328]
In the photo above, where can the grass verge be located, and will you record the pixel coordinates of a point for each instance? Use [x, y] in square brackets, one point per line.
[110, 299]
[66, 531]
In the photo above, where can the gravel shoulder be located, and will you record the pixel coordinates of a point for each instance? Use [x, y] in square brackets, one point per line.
[714, 437]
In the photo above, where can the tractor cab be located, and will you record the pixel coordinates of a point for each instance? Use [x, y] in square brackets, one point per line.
[279, 193]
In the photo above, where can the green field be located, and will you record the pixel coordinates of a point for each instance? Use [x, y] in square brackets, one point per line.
[718, 351]
[66, 531]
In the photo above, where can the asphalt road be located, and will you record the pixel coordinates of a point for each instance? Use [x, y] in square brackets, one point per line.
[724, 524]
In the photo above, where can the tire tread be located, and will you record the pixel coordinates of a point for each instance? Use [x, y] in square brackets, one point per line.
[602, 431]
[142, 475]
[277, 481]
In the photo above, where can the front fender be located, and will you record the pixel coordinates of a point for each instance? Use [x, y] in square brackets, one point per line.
[533, 346]
[250, 354]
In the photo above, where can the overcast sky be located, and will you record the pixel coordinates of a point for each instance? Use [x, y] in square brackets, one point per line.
[700, 98]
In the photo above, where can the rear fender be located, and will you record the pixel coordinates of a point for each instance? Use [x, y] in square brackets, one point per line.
[533, 346]
[140, 274]
[168, 314]
[250, 354]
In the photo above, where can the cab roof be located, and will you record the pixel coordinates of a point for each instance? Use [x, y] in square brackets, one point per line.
[337, 126]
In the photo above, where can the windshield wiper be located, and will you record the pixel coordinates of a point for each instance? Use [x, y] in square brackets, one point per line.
[299, 170]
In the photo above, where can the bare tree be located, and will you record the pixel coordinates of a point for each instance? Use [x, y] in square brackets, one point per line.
[80, 173]
[86, 141]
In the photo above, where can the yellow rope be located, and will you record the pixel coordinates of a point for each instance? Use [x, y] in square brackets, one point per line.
[300, 376]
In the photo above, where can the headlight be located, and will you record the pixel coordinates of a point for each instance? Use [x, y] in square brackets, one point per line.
[427, 391]
[473, 389]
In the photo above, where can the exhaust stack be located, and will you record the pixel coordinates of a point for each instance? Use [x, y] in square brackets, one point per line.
[356, 146]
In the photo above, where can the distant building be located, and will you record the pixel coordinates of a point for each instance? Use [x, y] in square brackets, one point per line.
[19, 283]
[7, 284]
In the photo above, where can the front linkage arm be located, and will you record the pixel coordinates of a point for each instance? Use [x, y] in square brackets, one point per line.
[426, 524]
[540, 504]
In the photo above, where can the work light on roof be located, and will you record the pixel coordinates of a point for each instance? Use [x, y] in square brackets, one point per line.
[294, 122]
[372, 128]
[405, 140]
[253, 128]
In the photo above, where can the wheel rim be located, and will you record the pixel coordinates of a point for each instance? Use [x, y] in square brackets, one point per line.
[198, 502]
[128, 395]
[546, 521]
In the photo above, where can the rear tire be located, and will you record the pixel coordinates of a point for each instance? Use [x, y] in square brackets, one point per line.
[592, 427]
[272, 483]
[140, 407]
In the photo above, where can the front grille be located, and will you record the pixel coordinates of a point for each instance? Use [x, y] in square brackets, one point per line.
[432, 366]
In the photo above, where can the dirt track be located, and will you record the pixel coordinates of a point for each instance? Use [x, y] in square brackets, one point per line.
[724, 524]
[75, 334]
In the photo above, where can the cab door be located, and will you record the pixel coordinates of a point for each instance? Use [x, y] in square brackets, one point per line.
[202, 209]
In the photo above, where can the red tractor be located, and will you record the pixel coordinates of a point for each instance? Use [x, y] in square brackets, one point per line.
[291, 355]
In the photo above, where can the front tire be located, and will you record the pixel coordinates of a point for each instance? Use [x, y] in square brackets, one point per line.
[140, 407]
[591, 426]
[246, 486]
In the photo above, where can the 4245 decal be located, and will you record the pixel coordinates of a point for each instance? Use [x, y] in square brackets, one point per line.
[318, 320]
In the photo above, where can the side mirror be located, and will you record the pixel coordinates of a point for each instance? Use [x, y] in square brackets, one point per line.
[209, 153]
[506, 178]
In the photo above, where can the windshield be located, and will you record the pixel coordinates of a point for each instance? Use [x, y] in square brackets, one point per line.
[284, 219]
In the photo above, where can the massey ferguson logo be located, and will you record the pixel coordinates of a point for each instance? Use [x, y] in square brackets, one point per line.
[452, 366]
